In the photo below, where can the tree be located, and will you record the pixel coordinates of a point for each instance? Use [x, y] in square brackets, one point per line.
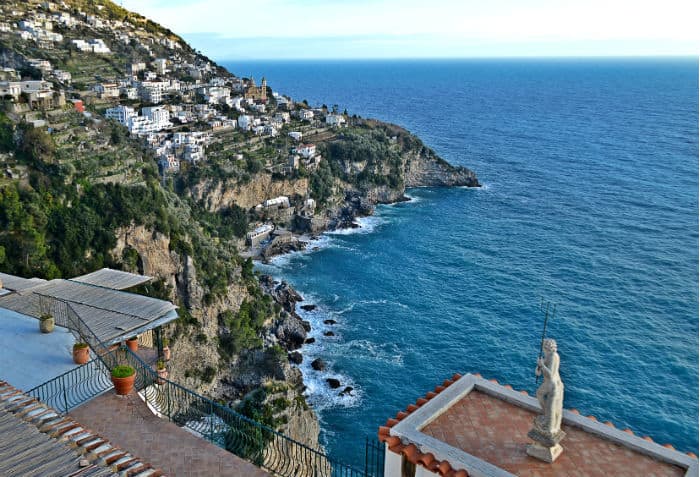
[7, 142]
[37, 145]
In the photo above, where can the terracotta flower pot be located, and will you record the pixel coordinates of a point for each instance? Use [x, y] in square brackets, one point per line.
[123, 386]
[81, 355]
[166, 353]
[46, 325]
[162, 376]
[133, 344]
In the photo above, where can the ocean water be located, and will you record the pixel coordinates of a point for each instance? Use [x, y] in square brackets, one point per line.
[590, 200]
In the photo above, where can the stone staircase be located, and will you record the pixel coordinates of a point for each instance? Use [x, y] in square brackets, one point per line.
[96, 452]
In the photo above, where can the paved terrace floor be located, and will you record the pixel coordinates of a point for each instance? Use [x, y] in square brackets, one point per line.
[29, 357]
[128, 423]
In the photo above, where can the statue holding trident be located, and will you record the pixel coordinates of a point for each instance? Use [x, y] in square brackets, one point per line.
[546, 431]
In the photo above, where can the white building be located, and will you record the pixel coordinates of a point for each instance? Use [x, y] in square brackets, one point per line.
[281, 201]
[10, 88]
[43, 65]
[63, 76]
[107, 90]
[95, 45]
[259, 234]
[306, 150]
[306, 114]
[296, 135]
[120, 113]
[151, 95]
[140, 125]
[245, 122]
[335, 120]
[134, 68]
[160, 65]
[193, 152]
[158, 115]
[169, 163]
[129, 92]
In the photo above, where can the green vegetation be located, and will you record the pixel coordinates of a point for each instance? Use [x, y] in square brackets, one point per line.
[7, 128]
[245, 326]
[80, 346]
[123, 371]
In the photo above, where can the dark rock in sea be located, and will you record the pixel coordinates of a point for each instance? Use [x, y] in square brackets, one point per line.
[355, 225]
[306, 325]
[290, 331]
[346, 392]
[308, 307]
[333, 383]
[310, 340]
[282, 293]
[318, 364]
[295, 357]
[329, 322]
[328, 333]
[315, 249]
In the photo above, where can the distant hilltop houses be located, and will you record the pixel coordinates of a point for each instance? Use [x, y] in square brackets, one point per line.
[90, 65]
[179, 103]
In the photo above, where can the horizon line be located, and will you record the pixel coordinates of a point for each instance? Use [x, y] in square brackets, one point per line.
[452, 58]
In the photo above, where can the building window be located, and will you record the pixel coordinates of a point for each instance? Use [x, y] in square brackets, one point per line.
[408, 469]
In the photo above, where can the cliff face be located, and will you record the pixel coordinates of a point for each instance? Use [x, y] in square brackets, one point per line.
[195, 351]
[422, 171]
[219, 194]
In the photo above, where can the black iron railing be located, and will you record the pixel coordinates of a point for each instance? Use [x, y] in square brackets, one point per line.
[74, 387]
[221, 425]
[251, 440]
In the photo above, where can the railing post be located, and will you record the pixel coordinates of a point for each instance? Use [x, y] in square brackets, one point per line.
[211, 422]
[366, 455]
[170, 417]
[65, 400]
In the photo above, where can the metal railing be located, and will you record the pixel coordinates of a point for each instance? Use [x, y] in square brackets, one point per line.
[220, 425]
[240, 435]
[73, 388]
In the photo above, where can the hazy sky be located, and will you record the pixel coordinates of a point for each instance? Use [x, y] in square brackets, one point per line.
[262, 29]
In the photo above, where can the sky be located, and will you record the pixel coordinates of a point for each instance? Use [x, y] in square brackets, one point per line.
[347, 29]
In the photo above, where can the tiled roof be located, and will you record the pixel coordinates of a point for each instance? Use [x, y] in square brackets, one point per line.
[410, 451]
[449, 419]
[36, 440]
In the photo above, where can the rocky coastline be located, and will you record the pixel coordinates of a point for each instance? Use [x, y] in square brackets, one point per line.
[291, 330]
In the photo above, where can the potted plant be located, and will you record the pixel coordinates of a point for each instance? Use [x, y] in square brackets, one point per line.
[166, 349]
[162, 372]
[133, 344]
[81, 353]
[123, 378]
[47, 323]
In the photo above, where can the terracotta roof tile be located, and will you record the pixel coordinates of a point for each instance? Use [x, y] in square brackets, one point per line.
[410, 451]
[428, 460]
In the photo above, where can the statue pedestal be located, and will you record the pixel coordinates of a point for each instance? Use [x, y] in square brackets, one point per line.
[546, 446]
[547, 454]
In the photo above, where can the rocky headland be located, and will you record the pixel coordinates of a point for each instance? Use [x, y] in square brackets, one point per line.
[83, 189]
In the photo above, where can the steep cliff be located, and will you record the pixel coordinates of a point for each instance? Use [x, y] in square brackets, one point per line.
[80, 192]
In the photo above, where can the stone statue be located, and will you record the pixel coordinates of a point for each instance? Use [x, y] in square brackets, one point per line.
[546, 431]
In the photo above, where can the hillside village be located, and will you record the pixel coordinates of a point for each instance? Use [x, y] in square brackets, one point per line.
[122, 147]
[180, 105]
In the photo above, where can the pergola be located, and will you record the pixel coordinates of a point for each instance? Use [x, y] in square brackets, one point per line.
[104, 311]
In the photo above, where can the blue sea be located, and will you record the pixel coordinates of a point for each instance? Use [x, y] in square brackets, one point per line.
[590, 201]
